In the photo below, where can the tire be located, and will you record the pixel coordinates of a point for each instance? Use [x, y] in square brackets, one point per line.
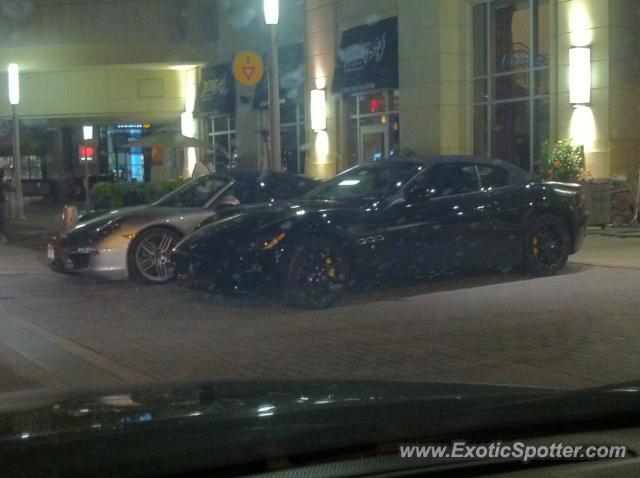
[149, 255]
[548, 246]
[317, 274]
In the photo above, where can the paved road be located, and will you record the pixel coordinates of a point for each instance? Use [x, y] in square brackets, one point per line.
[578, 329]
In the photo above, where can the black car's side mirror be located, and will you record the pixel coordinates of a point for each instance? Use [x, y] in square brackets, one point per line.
[419, 194]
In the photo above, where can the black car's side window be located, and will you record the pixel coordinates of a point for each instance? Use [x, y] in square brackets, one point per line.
[451, 179]
[492, 177]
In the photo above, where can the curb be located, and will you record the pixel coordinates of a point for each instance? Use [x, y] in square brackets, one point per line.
[605, 266]
[621, 233]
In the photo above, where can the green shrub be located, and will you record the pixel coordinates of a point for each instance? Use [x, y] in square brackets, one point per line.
[107, 195]
[154, 190]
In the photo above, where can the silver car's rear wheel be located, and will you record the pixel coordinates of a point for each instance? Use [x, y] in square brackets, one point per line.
[150, 256]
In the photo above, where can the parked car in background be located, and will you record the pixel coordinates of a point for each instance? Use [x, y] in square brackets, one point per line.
[390, 220]
[137, 241]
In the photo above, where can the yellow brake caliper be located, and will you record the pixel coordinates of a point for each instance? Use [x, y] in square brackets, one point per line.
[331, 272]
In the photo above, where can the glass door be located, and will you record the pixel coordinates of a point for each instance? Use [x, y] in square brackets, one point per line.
[374, 143]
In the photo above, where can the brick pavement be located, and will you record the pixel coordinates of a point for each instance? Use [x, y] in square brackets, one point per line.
[574, 330]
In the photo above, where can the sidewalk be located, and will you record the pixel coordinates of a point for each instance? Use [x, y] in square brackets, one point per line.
[21, 260]
[42, 220]
[609, 250]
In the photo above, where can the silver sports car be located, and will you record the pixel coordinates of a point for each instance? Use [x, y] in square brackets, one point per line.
[137, 241]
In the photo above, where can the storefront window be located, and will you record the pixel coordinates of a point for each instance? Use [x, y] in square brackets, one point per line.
[222, 139]
[374, 126]
[293, 137]
[126, 162]
[511, 79]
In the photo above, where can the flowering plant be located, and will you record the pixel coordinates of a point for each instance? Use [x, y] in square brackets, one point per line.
[563, 161]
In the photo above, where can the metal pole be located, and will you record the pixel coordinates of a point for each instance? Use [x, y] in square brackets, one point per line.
[634, 221]
[87, 203]
[274, 101]
[18, 203]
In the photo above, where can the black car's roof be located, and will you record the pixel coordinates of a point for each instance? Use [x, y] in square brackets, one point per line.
[514, 171]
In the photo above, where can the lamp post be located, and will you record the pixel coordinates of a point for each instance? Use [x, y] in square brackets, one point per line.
[87, 134]
[14, 98]
[271, 17]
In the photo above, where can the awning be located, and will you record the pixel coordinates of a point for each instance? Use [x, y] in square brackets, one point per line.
[167, 140]
[217, 93]
[291, 63]
[368, 58]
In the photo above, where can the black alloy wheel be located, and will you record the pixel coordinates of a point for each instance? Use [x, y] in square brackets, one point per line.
[317, 274]
[548, 246]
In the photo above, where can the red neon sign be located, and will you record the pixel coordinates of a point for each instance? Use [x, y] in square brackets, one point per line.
[87, 153]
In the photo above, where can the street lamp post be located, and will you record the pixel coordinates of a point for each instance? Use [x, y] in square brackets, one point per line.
[87, 134]
[14, 98]
[271, 17]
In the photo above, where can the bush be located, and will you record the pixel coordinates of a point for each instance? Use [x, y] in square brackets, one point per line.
[155, 190]
[563, 161]
[107, 195]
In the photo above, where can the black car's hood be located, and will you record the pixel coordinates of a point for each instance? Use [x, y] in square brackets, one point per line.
[240, 222]
[161, 429]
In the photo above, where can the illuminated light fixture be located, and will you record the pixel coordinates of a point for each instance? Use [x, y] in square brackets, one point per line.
[318, 110]
[187, 125]
[322, 147]
[87, 132]
[579, 75]
[14, 83]
[271, 11]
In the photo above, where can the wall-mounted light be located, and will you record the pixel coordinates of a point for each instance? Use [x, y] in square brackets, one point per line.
[271, 11]
[87, 132]
[14, 83]
[322, 147]
[579, 75]
[318, 110]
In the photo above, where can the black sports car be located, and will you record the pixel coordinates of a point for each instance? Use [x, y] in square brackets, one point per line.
[390, 220]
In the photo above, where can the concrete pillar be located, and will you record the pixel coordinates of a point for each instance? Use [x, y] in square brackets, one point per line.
[322, 39]
[434, 90]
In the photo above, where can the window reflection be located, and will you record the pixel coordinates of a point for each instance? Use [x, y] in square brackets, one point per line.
[511, 112]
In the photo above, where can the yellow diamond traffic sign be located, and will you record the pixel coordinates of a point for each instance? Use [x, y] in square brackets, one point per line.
[248, 68]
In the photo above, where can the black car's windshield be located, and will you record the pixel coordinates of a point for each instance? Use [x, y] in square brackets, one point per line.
[366, 182]
[196, 193]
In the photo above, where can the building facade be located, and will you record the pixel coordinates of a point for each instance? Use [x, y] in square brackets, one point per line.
[396, 77]
[486, 77]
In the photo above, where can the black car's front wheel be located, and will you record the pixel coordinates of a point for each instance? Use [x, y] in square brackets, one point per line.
[150, 255]
[548, 245]
[317, 274]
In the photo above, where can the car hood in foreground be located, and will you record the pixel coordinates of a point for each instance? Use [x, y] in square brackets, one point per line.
[177, 428]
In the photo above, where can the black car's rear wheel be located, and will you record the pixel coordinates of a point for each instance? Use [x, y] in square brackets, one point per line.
[150, 255]
[548, 246]
[317, 274]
